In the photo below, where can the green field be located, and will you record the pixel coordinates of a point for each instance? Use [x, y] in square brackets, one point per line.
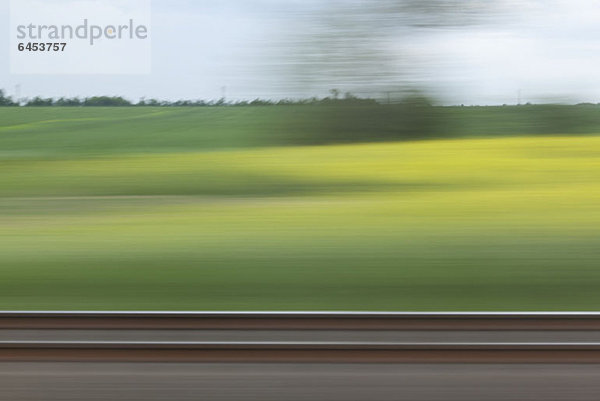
[205, 209]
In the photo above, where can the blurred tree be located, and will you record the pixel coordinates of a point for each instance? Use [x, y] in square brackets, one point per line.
[356, 44]
[68, 102]
[106, 101]
[5, 100]
[40, 102]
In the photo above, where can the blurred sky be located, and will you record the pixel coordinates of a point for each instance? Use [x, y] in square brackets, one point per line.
[549, 50]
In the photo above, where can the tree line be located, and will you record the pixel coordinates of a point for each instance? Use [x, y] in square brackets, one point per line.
[118, 101]
[340, 119]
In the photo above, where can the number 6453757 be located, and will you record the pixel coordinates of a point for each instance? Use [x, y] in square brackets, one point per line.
[42, 47]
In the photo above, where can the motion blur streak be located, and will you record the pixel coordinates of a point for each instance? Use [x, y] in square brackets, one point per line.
[303, 382]
[503, 223]
[365, 189]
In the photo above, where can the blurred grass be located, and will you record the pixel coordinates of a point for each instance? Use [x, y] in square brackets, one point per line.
[83, 132]
[464, 224]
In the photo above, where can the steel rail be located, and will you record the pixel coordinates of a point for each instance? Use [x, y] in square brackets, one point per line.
[463, 321]
[300, 352]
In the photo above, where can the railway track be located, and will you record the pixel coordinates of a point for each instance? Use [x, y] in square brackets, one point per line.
[274, 350]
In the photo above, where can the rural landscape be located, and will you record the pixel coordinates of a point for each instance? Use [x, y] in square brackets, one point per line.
[300, 207]
[285, 200]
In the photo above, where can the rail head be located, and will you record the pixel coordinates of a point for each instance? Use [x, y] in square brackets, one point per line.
[308, 314]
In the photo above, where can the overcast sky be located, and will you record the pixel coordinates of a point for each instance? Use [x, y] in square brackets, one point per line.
[548, 50]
